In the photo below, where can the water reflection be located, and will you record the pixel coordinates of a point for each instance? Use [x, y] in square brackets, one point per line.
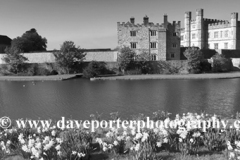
[79, 98]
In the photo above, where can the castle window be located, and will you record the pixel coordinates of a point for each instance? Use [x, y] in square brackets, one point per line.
[193, 36]
[153, 45]
[226, 33]
[153, 33]
[225, 45]
[193, 26]
[215, 45]
[215, 34]
[174, 34]
[221, 34]
[174, 45]
[133, 44]
[182, 38]
[132, 33]
[154, 57]
[172, 55]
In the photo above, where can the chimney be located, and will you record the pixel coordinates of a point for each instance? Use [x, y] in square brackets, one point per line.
[179, 24]
[174, 23]
[165, 20]
[132, 20]
[145, 20]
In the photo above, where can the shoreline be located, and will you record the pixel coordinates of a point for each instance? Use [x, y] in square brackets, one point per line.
[40, 78]
[229, 75]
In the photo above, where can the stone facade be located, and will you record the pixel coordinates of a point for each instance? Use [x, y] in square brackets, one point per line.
[210, 33]
[161, 41]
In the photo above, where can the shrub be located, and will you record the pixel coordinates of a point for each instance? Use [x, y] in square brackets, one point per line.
[133, 72]
[221, 64]
[205, 66]
[5, 69]
[32, 69]
[194, 57]
[53, 72]
[43, 72]
[95, 69]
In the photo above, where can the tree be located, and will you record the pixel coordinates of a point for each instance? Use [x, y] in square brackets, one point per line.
[15, 59]
[221, 64]
[30, 41]
[143, 62]
[126, 58]
[69, 57]
[194, 57]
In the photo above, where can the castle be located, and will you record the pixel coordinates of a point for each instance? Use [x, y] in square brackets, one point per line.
[162, 42]
[210, 33]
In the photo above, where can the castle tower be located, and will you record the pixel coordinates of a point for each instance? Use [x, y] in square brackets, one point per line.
[234, 26]
[187, 23]
[145, 20]
[199, 27]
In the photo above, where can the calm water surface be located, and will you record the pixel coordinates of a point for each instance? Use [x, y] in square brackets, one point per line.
[79, 98]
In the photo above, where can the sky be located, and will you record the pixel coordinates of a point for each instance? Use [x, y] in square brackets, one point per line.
[93, 23]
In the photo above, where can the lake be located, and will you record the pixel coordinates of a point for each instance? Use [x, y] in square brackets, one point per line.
[79, 98]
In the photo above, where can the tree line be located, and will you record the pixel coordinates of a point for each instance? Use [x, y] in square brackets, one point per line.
[68, 57]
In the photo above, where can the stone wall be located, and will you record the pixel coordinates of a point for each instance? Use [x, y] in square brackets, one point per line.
[236, 62]
[107, 56]
[48, 57]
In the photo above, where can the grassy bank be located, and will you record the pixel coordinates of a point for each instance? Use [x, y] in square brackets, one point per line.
[175, 76]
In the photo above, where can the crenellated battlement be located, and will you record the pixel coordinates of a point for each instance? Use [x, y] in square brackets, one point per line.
[128, 24]
[234, 15]
[193, 21]
[206, 20]
[150, 24]
[224, 24]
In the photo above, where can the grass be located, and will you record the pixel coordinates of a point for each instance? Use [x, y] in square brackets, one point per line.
[164, 156]
[161, 156]
[39, 78]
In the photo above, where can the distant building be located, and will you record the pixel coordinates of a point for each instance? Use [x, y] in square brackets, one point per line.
[5, 41]
[210, 33]
[162, 41]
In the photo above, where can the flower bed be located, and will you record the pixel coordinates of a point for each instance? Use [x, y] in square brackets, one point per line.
[180, 141]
